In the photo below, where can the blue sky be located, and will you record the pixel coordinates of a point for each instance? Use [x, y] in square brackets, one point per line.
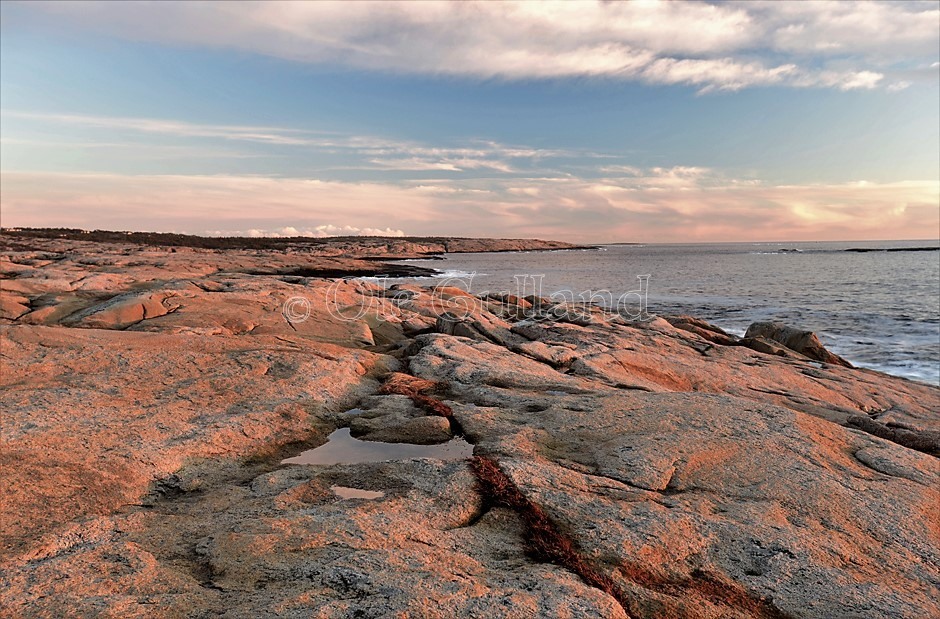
[580, 121]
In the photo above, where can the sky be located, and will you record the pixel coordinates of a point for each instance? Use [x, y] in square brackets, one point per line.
[580, 121]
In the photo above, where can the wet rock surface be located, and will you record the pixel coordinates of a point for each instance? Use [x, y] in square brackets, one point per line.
[621, 468]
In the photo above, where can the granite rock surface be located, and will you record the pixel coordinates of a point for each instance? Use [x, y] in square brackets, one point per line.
[656, 468]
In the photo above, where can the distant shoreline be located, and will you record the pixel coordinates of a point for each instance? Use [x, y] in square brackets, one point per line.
[413, 245]
[865, 250]
[326, 257]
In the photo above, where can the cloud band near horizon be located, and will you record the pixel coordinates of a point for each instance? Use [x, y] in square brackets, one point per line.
[674, 205]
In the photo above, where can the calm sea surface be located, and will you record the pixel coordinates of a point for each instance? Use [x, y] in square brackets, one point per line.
[878, 309]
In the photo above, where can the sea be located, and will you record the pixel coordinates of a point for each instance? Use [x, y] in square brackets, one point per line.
[876, 303]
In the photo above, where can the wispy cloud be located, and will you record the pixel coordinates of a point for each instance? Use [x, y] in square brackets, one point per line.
[267, 135]
[374, 152]
[445, 163]
[129, 149]
[362, 152]
[727, 46]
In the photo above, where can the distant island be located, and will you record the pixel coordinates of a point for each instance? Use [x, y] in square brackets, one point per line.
[863, 250]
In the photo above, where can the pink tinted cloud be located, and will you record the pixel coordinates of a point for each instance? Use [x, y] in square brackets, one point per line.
[658, 205]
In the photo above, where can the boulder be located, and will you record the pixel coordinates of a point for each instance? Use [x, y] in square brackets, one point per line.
[703, 329]
[124, 310]
[394, 418]
[804, 342]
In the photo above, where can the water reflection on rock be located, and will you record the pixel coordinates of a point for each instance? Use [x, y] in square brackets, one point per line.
[341, 448]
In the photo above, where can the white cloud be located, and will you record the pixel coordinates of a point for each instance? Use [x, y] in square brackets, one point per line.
[849, 80]
[724, 46]
[887, 29]
[321, 231]
[899, 86]
[414, 164]
[711, 74]
[624, 170]
[448, 164]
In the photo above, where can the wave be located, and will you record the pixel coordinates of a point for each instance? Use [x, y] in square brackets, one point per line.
[448, 274]
[913, 370]
[456, 274]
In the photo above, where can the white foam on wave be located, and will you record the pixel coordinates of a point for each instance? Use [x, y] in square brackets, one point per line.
[869, 354]
[448, 274]
[453, 274]
[913, 370]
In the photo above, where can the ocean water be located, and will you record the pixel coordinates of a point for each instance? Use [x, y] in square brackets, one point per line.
[879, 309]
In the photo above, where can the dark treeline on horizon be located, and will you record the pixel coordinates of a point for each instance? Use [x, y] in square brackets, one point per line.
[170, 239]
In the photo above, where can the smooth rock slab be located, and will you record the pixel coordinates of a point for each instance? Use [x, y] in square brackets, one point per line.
[92, 417]
[770, 501]
[287, 546]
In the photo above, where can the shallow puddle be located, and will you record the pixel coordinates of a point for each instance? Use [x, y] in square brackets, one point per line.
[341, 448]
[344, 492]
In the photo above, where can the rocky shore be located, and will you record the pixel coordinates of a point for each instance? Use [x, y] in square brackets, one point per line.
[619, 468]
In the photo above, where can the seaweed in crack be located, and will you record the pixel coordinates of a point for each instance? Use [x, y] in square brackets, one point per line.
[416, 389]
[545, 542]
